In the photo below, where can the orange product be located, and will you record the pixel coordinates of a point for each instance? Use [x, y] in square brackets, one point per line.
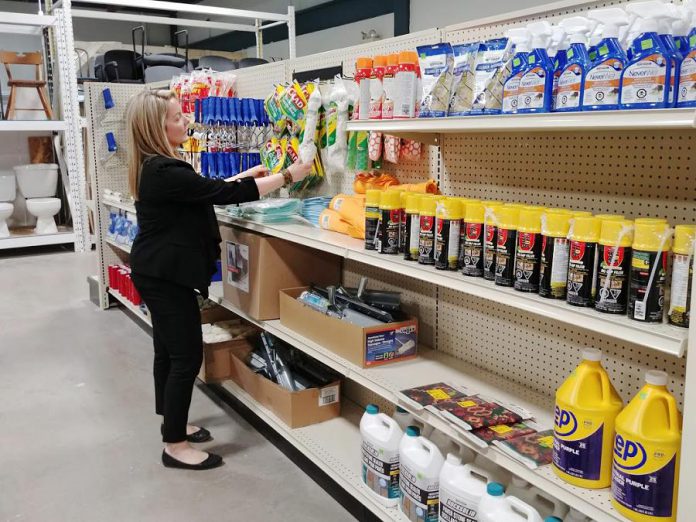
[427, 187]
[365, 181]
[351, 209]
[331, 220]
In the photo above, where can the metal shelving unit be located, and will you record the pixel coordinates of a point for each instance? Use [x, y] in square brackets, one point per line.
[131, 307]
[115, 244]
[18, 239]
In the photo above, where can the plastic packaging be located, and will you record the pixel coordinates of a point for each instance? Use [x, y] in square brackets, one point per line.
[535, 92]
[521, 39]
[462, 486]
[491, 71]
[528, 251]
[645, 480]
[421, 463]
[508, 218]
[449, 216]
[436, 66]
[496, 507]
[336, 122]
[308, 149]
[586, 408]
[682, 271]
[582, 264]
[555, 253]
[613, 266]
[463, 78]
[392, 148]
[381, 436]
[405, 86]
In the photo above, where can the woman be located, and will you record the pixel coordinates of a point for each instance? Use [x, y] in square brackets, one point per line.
[175, 254]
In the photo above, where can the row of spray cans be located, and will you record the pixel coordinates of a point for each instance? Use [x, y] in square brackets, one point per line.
[607, 262]
[431, 478]
[598, 443]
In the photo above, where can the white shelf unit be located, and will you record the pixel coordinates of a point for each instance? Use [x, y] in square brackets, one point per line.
[663, 338]
[32, 125]
[120, 246]
[130, 306]
[32, 240]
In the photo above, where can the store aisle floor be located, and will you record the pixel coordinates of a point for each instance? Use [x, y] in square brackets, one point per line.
[78, 435]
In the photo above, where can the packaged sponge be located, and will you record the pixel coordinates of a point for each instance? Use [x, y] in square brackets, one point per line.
[436, 66]
[491, 73]
[464, 78]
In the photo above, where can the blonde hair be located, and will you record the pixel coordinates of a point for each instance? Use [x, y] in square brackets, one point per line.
[147, 136]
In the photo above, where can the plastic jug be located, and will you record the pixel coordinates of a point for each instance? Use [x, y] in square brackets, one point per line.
[645, 479]
[444, 443]
[586, 408]
[419, 482]
[403, 418]
[381, 436]
[575, 516]
[496, 507]
[495, 473]
[462, 486]
[546, 504]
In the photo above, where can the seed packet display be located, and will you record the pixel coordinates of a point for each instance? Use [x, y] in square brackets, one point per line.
[477, 411]
[482, 437]
[531, 450]
[426, 397]
[436, 65]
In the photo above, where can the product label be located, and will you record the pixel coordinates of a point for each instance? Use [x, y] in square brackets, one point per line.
[505, 257]
[569, 87]
[687, 79]
[405, 93]
[426, 240]
[380, 470]
[602, 83]
[420, 497]
[472, 250]
[376, 95]
[577, 444]
[413, 231]
[527, 261]
[388, 232]
[510, 93]
[581, 273]
[387, 345]
[331, 123]
[651, 309]
[553, 276]
[457, 508]
[238, 265]
[489, 247]
[611, 292]
[643, 477]
[329, 395]
[532, 89]
[447, 244]
[645, 81]
[680, 298]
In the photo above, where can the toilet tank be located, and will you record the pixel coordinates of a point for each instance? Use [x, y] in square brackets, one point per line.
[8, 186]
[38, 180]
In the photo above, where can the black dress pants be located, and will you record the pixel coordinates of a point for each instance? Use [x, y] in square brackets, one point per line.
[177, 337]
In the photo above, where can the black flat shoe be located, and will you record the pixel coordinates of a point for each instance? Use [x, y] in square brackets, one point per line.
[213, 461]
[202, 435]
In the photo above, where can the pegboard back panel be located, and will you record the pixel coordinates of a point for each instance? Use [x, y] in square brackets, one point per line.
[363, 396]
[634, 173]
[259, 81]
[538, 352]
[417, 297]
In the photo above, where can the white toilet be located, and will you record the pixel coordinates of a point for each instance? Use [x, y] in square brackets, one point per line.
[8, 193]
[38, 183]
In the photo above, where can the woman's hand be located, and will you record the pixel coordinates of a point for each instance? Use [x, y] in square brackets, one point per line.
[259, 171]
[299, 171]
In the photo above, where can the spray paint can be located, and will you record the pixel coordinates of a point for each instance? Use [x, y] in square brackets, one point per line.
[402, 227]
[582, 263]
[528, 252]
[471, 253]
[508, 218]
[682, 272]
[412, 228]
[449, 220]
[389, 223]
[613, 266]
[646, 298]
[490, 238]
[372, 198]
[426, 235]
[462, 231]
[555, 251]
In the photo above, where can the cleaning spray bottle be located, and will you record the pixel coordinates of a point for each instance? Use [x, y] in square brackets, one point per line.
[680, 29]
[603, 79]
[559, 39]
[381, 436]
[536, 85]
[645, 479]
[668, 16]
[687, 74]
[586, 408]
[571, 78]
[593, 42]
[647, 77]
[520, 37]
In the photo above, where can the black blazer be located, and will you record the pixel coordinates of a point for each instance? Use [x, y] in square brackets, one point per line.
[179, 238]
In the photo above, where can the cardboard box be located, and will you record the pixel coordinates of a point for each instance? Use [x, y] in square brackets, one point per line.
[216, 360]
[365, 347]
[296, 409]
[215, 314]
[257, 267]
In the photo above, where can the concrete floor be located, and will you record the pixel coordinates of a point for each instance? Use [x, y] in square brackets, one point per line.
[79, 440]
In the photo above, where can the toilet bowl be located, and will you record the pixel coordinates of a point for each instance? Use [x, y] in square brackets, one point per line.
[8, 193]
[38, 183]
[44, 209]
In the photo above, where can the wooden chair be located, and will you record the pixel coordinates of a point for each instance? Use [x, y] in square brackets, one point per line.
[10, 58]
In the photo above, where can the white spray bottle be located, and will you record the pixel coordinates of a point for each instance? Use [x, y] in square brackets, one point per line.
[521, 38]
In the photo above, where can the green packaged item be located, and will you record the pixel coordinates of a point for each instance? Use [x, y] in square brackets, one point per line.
[362, 156]
[352, 150]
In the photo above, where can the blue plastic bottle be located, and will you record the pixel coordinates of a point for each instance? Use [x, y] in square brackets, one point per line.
[687, 75]
[536, 85]
[572, 77]
[520, 37]
[560, 61]
[646, 81]
[603, 79]
[676, 59]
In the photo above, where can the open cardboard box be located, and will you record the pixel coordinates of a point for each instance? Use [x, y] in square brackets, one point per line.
[216, 356]
[296, 409]
[365, 347]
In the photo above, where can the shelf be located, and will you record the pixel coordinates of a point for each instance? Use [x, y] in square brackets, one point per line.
[130, 306]
[32, 125]
[334, 446]
[22, 23]
[658, 119]
[431, 366]
[127, 206]
[124, 248]
[25, 237]
[660, 337]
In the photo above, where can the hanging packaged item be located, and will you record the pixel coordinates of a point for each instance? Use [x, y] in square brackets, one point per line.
[412, 228]
[381, 436]
[508, 218]
[528, 252]
[336, 122]
[375, 146]
[682, 275]
[613, 266]
[649, 270]
[555, 251]
[411, 150]
[582, 264]
[491, 71]
[490, 238]
[449, 216]
[392, 148]
[362, 157]
[463, 78]
[436, 66]
[472, 240]
[426, 241]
